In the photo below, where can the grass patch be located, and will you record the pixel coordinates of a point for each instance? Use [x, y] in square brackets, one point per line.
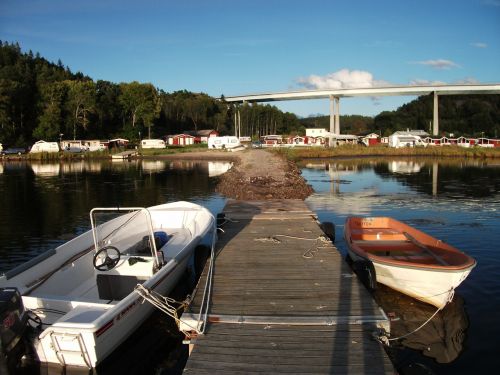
[295, 153]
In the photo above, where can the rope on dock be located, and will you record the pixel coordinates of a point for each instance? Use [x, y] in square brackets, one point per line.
[309, 253]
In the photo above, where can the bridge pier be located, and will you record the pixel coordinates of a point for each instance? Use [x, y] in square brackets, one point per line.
[435, 116]
[334, 114]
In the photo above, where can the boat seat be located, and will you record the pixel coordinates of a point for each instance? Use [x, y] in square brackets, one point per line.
[116, 287]
[394, 243]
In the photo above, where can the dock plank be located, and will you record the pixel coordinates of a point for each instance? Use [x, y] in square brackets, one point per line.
[283, 299]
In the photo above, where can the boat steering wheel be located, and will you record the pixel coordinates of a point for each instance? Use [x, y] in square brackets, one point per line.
[106, 260]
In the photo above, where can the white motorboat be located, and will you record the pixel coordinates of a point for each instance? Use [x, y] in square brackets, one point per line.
[83, 291]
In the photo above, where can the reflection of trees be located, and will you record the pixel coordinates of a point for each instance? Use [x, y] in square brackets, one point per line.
[36, 211]
[458, 180]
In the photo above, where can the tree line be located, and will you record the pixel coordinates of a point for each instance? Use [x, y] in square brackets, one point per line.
[44, 100]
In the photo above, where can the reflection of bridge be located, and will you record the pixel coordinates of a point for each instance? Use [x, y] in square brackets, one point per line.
[335, 94]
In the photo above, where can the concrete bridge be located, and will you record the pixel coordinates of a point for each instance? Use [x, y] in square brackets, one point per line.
[335, 94]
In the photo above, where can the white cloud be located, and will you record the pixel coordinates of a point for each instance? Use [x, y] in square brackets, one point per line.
[467, 81]
[342, 79]
[438, 64]
[479, 45]
[425, 82]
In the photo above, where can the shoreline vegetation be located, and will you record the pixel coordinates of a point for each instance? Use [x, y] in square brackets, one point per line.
[292, 153]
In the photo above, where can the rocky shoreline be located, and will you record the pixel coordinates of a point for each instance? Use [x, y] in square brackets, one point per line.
[261, 175]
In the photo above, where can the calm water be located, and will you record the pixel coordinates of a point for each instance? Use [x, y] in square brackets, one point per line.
[44, 205]
[458, 202]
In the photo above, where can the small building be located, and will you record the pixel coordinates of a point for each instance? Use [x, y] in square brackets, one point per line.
[432, 141]
[42, 146]
[297, 140]
[271, 140]
[371, 139]
[180, 140]
[202, 136]
[118, 142]
[488, 142]
[316, 141]
[317, 132]
[465, 142]
[343, 139]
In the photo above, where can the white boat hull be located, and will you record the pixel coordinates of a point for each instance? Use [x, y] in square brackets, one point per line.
[431, 286]
[84, 317]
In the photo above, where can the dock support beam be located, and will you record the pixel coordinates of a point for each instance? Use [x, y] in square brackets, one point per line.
[435, 116]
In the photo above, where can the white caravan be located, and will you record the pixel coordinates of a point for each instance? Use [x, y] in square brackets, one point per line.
[42, 146]
[224, 142]
[153, 143]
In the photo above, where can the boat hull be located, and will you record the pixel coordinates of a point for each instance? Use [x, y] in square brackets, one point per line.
[88, 312]
[426, 285]
[406, 259]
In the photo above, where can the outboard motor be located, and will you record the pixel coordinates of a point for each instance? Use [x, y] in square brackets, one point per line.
[13, 323]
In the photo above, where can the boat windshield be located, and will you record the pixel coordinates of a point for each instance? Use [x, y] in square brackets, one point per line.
[127, 229]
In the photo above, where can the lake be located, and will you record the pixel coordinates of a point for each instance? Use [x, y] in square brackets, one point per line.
[45, 204]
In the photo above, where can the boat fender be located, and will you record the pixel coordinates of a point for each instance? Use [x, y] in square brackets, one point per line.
[161, 238]
[201, 255]
[366, 273]
[329, 229]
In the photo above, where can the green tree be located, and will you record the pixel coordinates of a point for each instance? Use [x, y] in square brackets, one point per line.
[51, 121]
[81, 102]
[140, 102]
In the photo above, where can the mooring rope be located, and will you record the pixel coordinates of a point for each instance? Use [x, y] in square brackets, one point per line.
[383, 338]
[165, 304]
[309, 253]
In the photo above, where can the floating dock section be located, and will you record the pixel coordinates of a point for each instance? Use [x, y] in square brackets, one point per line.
[283, 300]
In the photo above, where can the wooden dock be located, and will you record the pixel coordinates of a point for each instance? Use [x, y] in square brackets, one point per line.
[124, 155]
[283, 300]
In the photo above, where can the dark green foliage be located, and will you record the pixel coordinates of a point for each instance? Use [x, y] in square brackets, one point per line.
[470, 115]
[42, 100]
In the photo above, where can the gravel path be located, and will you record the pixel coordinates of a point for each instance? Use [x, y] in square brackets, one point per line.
[260, 174]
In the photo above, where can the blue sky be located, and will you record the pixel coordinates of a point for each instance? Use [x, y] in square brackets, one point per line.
[236, 47]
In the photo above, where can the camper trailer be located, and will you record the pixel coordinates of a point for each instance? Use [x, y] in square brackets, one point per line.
[42, 146]
[406, 139]
[153, 143]
[224, 142]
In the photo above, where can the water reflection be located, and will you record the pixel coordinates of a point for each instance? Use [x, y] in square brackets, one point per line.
[457, 201]
[405, 166]
[454, 178]
[441, 339]
[45, 204]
